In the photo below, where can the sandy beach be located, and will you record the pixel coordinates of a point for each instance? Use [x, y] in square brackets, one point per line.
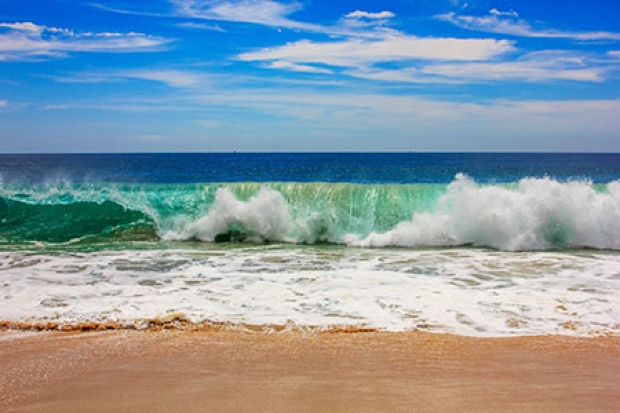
[235, 371]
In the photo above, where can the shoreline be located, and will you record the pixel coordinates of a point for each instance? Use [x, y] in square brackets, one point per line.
[226, 370]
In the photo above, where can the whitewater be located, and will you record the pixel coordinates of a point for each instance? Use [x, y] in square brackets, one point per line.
[485, 257]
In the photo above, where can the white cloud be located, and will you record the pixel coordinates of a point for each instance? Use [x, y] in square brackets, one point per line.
[170, 77]
[407, 75]
[392, 48]
[280, 64]
[510, 13]
[27, 41]
[129, 12]
[534, 67]
[25, 26]
[434, 60]
[201, 26]
[358, 14]
[173, 78]
[276, 14]
[4, 103]
[264, 12]
[497, 23]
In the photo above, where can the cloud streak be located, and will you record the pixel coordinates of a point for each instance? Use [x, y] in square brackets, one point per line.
[359, 14]
[392, 48]
[29, 41]
[532, 67]
[263, 12]
[508, 23]
[174, 78]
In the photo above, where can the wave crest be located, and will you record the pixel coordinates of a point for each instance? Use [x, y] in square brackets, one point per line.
[536, 214]
[264, 217]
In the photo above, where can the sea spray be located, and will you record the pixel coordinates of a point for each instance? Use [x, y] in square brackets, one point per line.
[263, 217]
[536, 214]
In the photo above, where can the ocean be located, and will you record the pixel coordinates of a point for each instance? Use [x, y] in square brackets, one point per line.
[477, 244]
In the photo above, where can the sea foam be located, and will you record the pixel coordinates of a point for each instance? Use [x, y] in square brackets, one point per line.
[464, 291]
[536, 214]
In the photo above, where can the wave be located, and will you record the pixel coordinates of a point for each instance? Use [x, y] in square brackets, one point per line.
[527, 215]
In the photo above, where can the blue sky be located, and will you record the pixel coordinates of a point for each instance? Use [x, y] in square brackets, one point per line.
[271, 75]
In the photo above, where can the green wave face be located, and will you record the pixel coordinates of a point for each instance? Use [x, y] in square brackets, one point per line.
[317, 212]
[57, 223]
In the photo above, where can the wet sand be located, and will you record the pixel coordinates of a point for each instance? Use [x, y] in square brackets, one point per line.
[233, 371]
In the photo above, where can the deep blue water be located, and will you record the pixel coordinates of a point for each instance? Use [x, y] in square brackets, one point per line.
[370, 168]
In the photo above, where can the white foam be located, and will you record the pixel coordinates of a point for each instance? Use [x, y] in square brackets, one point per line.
[265, 216]
[463, 291]
[537, 214]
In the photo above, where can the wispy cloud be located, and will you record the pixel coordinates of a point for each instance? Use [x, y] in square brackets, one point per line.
[127, 11]
[281, 64]
[359, 14]
[201, 26]
[4, 103]
[510, 13]
[355, 52]
[171, 77]
[510, 24]
[26, 41]
[264, 12]
[532, 67]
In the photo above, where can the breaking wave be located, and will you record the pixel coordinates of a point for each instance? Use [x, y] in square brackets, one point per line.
[531, 214]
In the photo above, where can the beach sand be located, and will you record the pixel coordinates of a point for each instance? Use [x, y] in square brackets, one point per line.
[235, 371]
